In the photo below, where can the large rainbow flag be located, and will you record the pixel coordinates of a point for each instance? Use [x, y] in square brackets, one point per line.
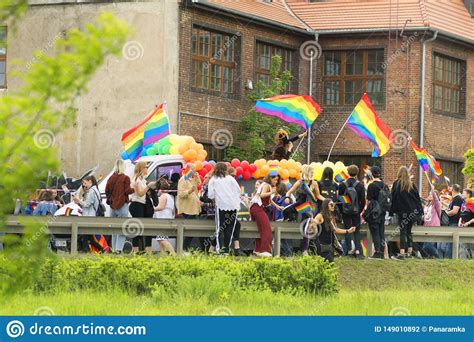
[426, 160]
[298, 109]
[367, 125]
[154, 127]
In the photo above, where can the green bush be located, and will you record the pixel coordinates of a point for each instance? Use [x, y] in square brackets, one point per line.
[191, 277]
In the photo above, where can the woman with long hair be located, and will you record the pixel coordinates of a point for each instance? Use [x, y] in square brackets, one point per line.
[325, 221]
[432, 218]
[306, 190]
[284, 144]
[165, 210]
[138, 199]
[260, 200]
[406, 203]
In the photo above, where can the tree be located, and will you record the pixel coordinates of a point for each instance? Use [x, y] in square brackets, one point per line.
[31, 118]
[257, 131]
[468, 169]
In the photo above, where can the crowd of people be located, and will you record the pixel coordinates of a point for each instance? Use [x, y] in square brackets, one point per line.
[322, 208]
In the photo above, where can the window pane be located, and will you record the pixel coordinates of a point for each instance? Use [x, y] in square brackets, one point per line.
[375, 62]
[438, 98]
[354, 63]
[353, 91]
[228, 49]
[203, 75]
[264, 78]
[194, 42]
[332, 64]
[331, 92]
[216, 77]
[3, 38]
[228, 78]
[204, 38]
[217, 46]
[455, 101]
[2, 80]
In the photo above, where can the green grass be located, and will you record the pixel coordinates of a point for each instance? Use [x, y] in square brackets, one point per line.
[416, 287]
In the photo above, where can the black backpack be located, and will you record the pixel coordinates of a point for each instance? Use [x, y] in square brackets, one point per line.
[351, 208]
[100, 211]
[328, 191]
[444, 218]
[385, 198]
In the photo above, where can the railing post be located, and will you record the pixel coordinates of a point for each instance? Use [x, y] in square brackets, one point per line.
[74, 235]
[277, 241]
[455, 245]
[180, 239]
[369, 244]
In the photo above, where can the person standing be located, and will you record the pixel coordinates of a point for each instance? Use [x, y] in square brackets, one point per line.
[406, 203]
[225, 191]
[117, 191]
[165, 210]
[432, 218]
[378, 197]
[445, 249]
[284, 144]
[354, 192]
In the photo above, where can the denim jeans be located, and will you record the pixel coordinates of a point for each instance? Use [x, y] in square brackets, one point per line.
[119, 240]
[445, 250]
[430, 249]
[352, 221]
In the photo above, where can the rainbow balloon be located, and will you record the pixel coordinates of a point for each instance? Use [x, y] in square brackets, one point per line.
[426, 160]
[368, 126]
[298, 109]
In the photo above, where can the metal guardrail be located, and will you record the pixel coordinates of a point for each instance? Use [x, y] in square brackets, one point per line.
[205, 228]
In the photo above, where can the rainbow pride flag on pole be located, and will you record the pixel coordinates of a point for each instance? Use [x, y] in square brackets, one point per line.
[368, 126]
[298, 109]
[154, 127]
[427, 161]
[306, 207]
[345, 199]
[342, 177]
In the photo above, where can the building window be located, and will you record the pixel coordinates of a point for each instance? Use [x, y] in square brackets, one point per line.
[452, 170]
[448, 76]
[3, 57]
[213, 60]
[349, 74]
[263, 58]
[213, 153]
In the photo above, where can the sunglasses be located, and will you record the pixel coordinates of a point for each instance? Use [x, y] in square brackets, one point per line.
[331, 204]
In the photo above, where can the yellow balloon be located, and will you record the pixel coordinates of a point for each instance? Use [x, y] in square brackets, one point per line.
[174, 149]
[284, 163]
[174, 139]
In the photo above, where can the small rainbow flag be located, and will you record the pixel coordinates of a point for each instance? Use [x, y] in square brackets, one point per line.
[154, 127]
[368, 126]
[273, 170]
[298, 109]
[242, 190]
[342, 176]
[310, 192]
[427, 161]
[286, 182]
[187, 172]
[68, 212]
[306, 207]
[345, 199]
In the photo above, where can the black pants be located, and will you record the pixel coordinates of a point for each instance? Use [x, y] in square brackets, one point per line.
[352, 221]
[326, 252]
[226, 220]
[377, 230]
[189, 239]
[406, 237]
[138, 210]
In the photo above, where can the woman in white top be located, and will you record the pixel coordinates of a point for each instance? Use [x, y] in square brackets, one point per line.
[137, 205]
[225, 191]
[165, 210]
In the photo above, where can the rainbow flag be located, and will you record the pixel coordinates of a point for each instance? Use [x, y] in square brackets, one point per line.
[342, 177]
[298, 109]
[310, 192]
[287, 183]
[368, 126]
[427, 161]
[154, 127]
[345, 199]
[273, 171]
[187, 172]
[242, 190]
[68, 212]
[306, 207]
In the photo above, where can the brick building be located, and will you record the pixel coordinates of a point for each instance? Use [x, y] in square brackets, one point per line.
[362, 46]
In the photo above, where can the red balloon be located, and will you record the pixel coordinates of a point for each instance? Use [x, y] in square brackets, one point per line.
[245, 165]
[202, 172]
[238, 171]
[208, 167]
[247, 175]
[235, 162]
[252, 168]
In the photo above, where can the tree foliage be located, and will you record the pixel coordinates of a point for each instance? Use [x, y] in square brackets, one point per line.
[31, 118]
[468, 169]
[256, 131]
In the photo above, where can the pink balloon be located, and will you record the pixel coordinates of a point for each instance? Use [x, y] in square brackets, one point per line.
[235, 162]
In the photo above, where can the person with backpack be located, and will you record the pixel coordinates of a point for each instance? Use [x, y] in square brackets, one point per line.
[352, 195]
[406, 203]
[379, 201]
[117, 191]
[328, 187]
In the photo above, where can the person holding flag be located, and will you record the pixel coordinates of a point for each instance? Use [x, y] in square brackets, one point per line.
[284, 144]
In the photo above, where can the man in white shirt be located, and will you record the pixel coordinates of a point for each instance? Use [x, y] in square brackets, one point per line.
[225, 191]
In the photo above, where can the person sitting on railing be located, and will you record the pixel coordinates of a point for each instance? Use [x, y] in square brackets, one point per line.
[325, 222]
[432, 218]
[46, 206]
[165, 210]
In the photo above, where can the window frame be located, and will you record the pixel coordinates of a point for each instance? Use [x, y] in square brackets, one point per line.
[342, 78]
[3, 58]
[210, 60]
[456, 176]
[448, 86]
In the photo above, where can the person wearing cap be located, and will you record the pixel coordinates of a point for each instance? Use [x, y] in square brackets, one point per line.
[377, 220]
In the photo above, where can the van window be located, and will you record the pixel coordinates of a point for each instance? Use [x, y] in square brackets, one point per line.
[165, 170]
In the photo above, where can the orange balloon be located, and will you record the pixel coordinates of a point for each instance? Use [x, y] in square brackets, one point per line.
[284, 173]
[259, 163]
[198, 164]
[298, 176]
[188, 141]
[291, 164]
[182, 149]
[284, 163]
[298, 166]
[257, 174]
[201, 157]
[190, 155]
[194, 146]
[264, 170]
[293, 173]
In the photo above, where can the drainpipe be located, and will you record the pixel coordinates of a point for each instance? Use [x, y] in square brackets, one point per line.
[422, 112]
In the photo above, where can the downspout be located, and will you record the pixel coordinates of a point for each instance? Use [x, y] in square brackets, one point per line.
[422, 111]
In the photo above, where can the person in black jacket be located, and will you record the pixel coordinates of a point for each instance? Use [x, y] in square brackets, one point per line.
[284, 144]
[406, 203]
[352, 218]
[374, 214]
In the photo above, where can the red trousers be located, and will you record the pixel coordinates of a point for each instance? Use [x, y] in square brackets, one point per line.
[258, 214]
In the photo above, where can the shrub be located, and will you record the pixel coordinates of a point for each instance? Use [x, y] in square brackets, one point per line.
[193, 276]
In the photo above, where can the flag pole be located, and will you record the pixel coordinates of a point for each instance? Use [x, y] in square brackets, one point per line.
[308, 152]
[338, 134]
[296, 149]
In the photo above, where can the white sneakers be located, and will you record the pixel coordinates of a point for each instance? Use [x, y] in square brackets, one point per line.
[263, 254]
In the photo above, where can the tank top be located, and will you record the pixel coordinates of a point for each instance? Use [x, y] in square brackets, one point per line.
[168, 211]
[141, 184]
